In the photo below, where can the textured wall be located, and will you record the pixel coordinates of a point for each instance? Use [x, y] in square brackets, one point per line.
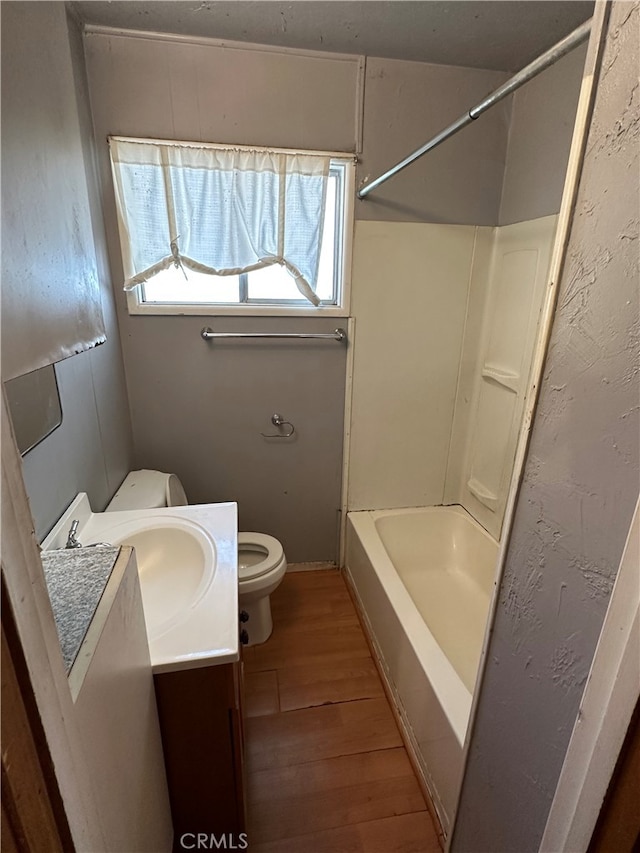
[579, 491]
[91, 450]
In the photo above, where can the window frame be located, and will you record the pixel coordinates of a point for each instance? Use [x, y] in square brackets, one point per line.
[345, 162]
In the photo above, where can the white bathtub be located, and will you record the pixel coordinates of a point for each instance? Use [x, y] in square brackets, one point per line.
[424, 578]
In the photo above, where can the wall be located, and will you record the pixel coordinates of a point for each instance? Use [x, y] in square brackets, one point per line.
[50, 292]
[410, 279]
[199, 409]
[91, 450]
[469, 365]
[540, 132]
[405, 104]
[542, 118]
[411, 283]
[409, 362]
[158, 87]
[144, 87]
[579, 490]
[508, 283]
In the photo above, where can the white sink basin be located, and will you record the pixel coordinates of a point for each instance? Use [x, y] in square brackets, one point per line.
[176, 564]
[187, 561]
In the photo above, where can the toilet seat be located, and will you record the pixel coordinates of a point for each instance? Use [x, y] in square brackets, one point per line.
[267, 554]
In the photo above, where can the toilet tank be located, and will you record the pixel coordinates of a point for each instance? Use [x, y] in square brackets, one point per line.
[148, 490]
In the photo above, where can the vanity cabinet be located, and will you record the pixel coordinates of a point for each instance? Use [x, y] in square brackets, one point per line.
[200, 712]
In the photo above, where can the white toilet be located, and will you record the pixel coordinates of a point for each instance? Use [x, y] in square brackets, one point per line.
[261, 559]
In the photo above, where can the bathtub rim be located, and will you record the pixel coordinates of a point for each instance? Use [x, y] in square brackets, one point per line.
[457, 509]
[447, 685]
[429, 788]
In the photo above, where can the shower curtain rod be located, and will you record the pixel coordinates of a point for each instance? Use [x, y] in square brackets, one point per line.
[549, 57]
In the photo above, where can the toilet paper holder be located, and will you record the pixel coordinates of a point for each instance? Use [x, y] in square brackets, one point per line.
[279, 421]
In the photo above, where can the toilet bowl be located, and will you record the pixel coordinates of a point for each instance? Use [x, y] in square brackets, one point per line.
[261, 559]
[261, 567]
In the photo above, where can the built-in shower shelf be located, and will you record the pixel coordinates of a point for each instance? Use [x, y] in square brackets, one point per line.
[502, 377]
[482, 493]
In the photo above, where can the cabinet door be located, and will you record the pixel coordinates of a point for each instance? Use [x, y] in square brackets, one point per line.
[201, 734]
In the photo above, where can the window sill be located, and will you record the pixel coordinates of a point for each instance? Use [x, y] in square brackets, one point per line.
[158, 309]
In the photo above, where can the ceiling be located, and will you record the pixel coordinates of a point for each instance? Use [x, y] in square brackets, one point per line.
[498, 34]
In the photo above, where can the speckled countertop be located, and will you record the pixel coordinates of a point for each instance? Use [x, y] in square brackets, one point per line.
[76, 579]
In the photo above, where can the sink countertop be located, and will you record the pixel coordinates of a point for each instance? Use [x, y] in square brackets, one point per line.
[207, 632]
[76, 579]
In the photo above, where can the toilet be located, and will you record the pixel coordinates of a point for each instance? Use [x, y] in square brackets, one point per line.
[261, 559]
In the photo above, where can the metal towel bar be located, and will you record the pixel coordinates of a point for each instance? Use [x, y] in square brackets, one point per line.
[337, 335]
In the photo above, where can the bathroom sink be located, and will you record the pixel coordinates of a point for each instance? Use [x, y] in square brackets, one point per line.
[187, 561]
[176, 564]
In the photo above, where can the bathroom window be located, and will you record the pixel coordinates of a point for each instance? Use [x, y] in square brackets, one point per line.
[209, 229]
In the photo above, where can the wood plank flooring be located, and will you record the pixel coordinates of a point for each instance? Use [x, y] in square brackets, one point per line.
[326, 768]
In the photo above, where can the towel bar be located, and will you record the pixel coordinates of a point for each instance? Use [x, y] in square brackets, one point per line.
[337, 335]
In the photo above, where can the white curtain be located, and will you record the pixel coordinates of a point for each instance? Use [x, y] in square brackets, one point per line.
[218, 210]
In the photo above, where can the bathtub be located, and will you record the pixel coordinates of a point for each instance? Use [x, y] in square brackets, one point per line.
[423, 579]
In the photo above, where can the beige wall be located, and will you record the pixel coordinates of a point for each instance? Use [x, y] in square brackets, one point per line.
[91, 450]
[410, 289]
[508, 281]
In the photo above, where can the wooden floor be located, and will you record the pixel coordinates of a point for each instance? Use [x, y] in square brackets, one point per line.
[326, 768]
